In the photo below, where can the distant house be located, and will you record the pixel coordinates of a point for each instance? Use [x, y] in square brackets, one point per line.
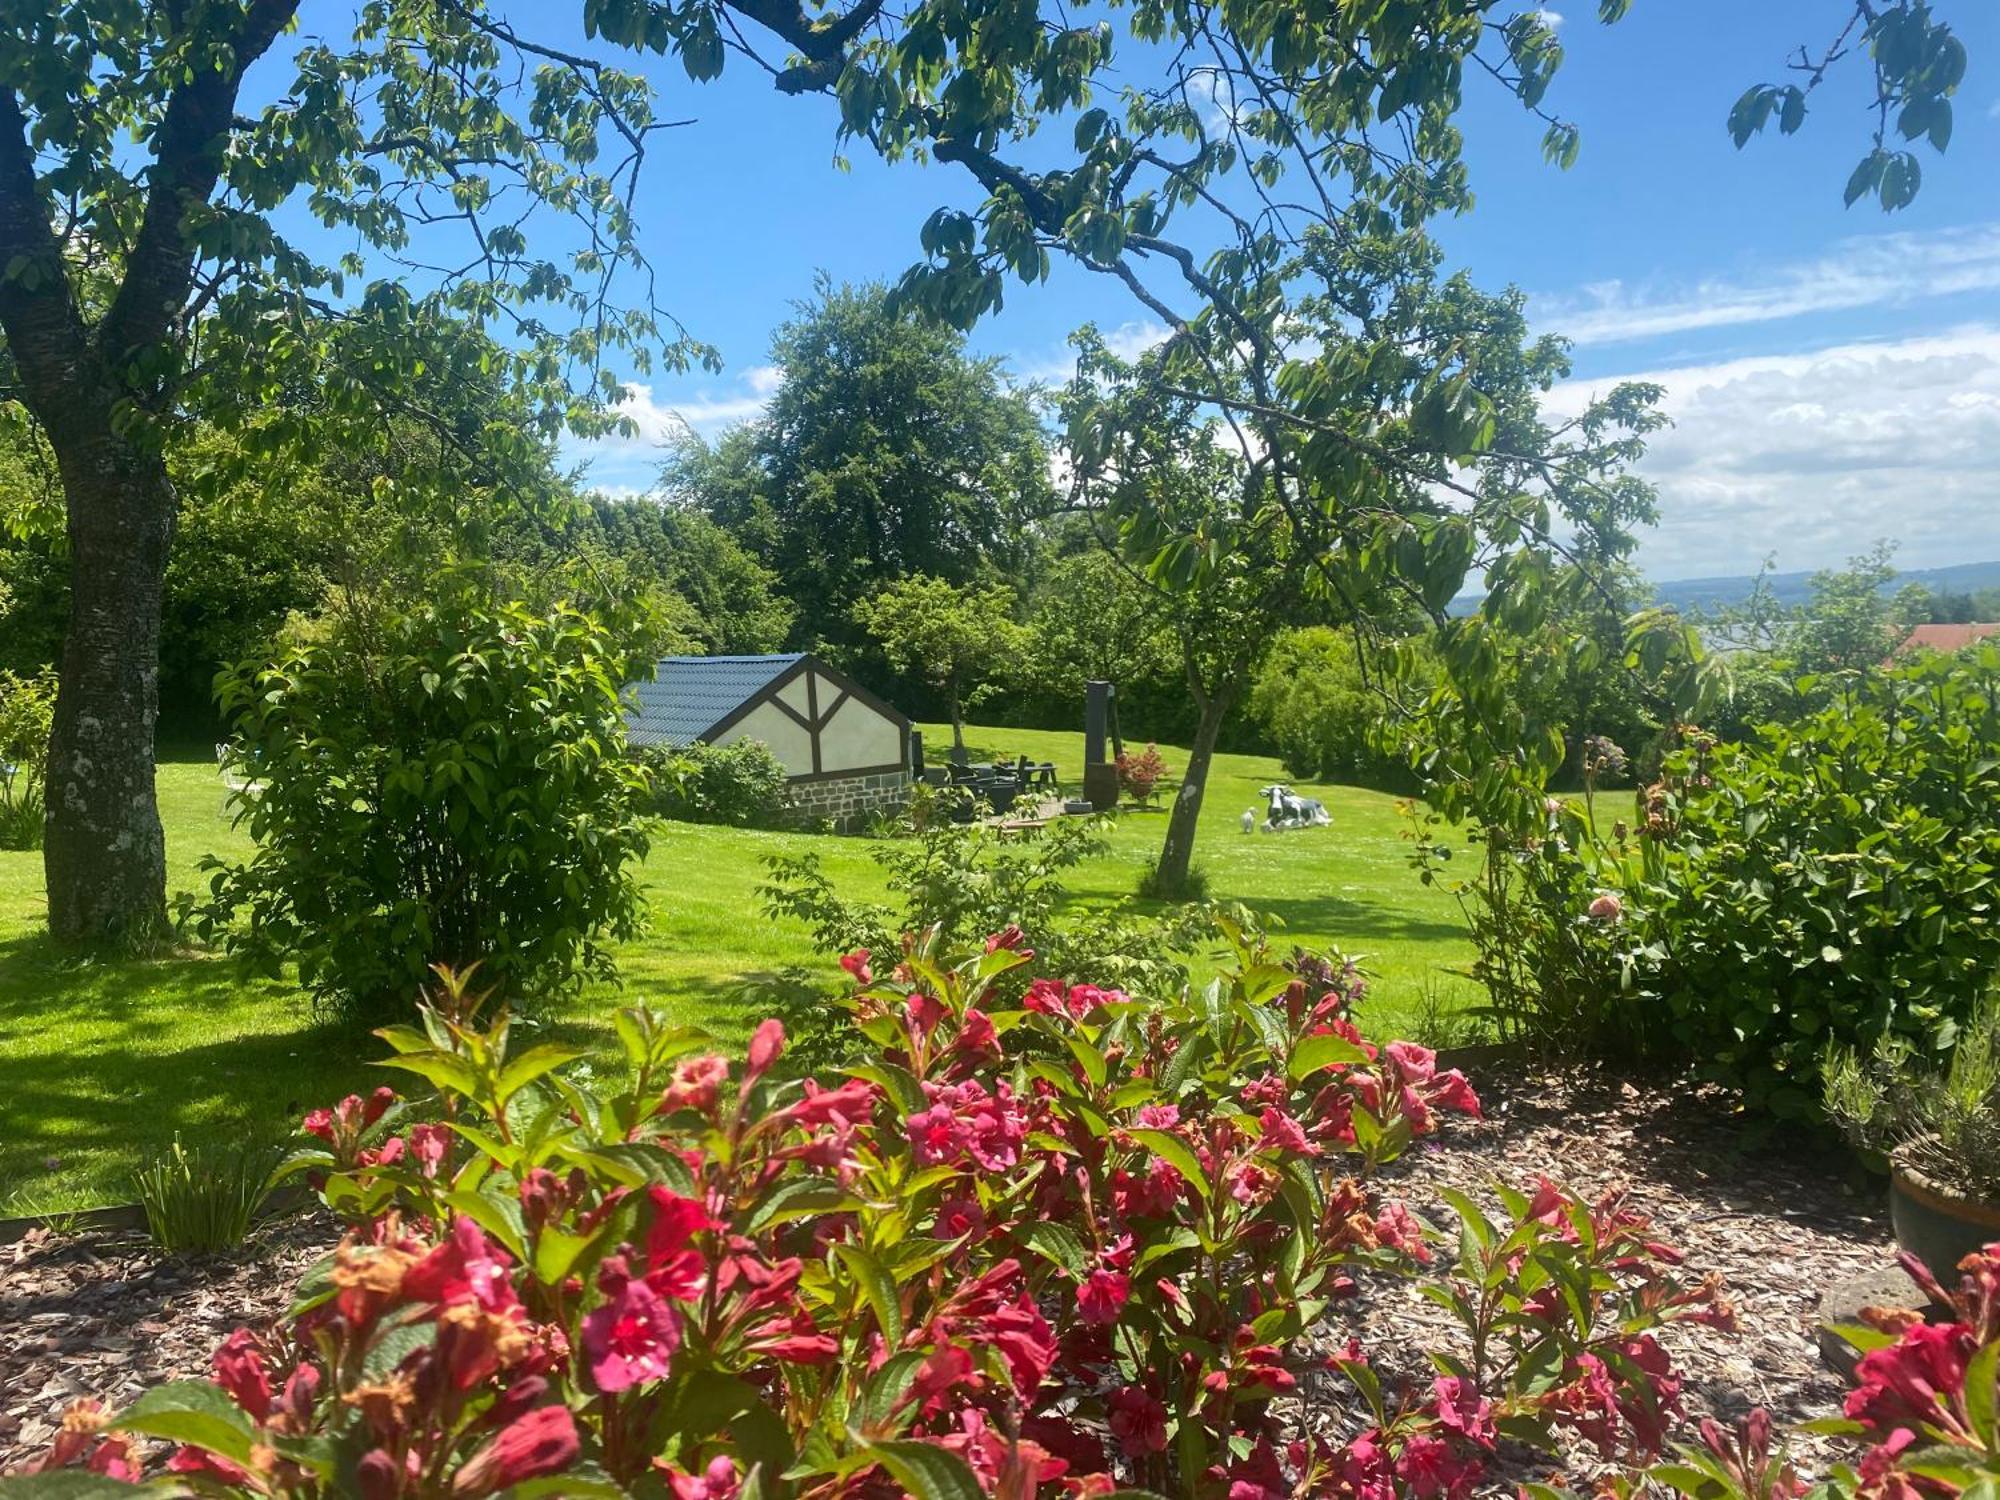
[1947, 638]
[848, 753]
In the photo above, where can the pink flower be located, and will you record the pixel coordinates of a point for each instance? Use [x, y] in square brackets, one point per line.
[719, 1481]
[1415, 1063]
[935, 1135]
[1138, 1422]
[431, 1145]
[1463, 1410]
[674, 1267]
[1451, 1091]
[765, 1046]
[1102, 1295]
[697, 1082]
[958, 1217]
[1158, 1116]
[540, 1443]
[1044, 997]
[976, 1033]
[1282, 1132]
[849, 1104]
[1398, 1228]
[1426, 1465]
[1606, 908]
[1011, 938]
[856, 964]
[631, 1336]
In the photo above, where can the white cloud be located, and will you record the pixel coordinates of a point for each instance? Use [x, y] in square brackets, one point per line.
[1127, 341]
[1552, 19]
[1866, 271]
[1814, 456]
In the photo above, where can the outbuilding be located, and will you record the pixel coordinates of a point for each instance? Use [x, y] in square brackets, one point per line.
[847, 752]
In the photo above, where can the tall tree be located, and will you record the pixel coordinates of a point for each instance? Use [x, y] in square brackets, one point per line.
[956, 637]
[145, 278]
[886, 452]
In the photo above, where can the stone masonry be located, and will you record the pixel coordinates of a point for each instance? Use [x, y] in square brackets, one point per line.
[846, 801]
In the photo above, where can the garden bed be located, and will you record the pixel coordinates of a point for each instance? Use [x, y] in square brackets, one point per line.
[1778, 1217]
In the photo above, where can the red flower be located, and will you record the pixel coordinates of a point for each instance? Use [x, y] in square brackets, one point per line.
[1910, 1382]
[467, 1267]
[631, 1336]
[1103, 1295]
[431, 1145]
[1426, 1465]
[976, 1035]
[239, 1370]
[1044, 997]
[1451, 1091]
[957, 1217]
[542, 1442]
[856, 964]
[1138, 1422]
[674, 1268]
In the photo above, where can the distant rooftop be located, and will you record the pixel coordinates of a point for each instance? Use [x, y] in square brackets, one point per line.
[689, 695]
[1948, 638]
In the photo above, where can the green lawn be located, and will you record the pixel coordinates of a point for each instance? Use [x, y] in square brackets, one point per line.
[103, 1061]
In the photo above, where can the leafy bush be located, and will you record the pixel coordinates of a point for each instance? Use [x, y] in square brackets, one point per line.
[1836, 881]
[27, 710]
[203, 1200]
[446, 785]
[1059, 1246]
[742, 784]
[1139, 776]
[1321, 713]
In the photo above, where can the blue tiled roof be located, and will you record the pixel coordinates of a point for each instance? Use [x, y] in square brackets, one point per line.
[688, 695]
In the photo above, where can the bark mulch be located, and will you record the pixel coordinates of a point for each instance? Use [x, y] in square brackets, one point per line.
[107, 1316]
[1779, 1216]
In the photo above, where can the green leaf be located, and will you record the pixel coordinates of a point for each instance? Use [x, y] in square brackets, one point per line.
[1322, 1051]
[925, 1470]
[1177, 1152]
[532, 1064]
[878, 1287]
[1058, 1243]
[194, 1412]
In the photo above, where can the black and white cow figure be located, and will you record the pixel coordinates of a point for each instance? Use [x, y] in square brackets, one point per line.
[1289, 810]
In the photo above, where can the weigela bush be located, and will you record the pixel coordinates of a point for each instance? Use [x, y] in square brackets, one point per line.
[1922, 1408]
[1072, 1244]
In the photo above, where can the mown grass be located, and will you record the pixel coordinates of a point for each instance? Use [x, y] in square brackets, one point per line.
[103, 1061]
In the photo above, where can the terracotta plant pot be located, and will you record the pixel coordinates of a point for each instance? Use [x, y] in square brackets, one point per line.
[1937, 1224]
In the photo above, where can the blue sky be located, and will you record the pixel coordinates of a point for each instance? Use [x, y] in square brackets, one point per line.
[1834, 374]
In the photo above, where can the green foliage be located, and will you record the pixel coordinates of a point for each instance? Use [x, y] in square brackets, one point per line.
[1324, 709]
[741, 784]
[1834, 881]
[204, 1200]
[959, 638]
[886, 452]
[1090, 619]
[27, 709]
[1943, 1121]
[442, 780]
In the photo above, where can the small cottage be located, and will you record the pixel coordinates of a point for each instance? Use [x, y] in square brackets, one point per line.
[848, 753]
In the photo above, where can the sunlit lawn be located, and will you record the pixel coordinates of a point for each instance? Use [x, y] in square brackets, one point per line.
[102, 1062]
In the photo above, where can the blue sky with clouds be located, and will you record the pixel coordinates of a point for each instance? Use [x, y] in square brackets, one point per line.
[1833, 374]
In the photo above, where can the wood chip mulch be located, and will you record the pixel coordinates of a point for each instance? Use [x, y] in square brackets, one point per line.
[1779, 1216]
[107, 1316]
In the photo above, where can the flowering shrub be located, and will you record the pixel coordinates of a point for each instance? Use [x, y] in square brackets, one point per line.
[1924, 1402]
[1062, 1246]
[1139, 776]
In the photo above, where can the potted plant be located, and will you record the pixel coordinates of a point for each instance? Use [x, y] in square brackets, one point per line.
[1939, 1130]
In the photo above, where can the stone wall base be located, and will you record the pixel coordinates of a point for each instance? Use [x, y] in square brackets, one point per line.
[848, 801]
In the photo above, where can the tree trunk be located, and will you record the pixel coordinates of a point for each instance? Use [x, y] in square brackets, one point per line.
[1170, 876]
[104, 853]
[957, 721]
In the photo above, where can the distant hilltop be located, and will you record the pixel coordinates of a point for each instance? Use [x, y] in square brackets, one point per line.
[1791, 588]
[1796, 588]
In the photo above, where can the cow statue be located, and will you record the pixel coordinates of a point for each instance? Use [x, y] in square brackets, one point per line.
[1289, 810]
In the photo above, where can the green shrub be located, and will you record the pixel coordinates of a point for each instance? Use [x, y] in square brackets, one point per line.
[1943, 1121]
[742, 784]
[202, 1201]
[1837, 880]
[446, 785]
[1322, 714]
[27, 710]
